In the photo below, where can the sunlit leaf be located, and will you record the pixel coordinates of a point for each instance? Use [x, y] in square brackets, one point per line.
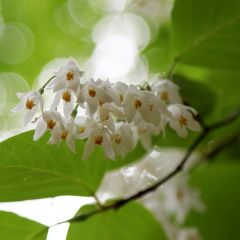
[131, 222]
[15, 227]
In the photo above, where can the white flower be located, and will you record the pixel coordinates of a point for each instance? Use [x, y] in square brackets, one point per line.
[179, 199]
[95, 93]
[167, 91]
[122, 140]
[146, 103]
[67, 132]
[67, 77]
[183, 119]
[29, 102]
[67, 97]
[145, 132]
[121, 89]
[98, 136]
[188, 234]
[50, 120]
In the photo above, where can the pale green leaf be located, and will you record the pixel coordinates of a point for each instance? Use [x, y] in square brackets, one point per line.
[131, 222]
[13, 227]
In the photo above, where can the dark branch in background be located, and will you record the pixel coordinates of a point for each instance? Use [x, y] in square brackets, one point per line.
[206, 130]
[235, 138]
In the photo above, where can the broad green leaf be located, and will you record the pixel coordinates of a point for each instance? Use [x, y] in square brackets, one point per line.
[207, 33]
[131, 222]
[31, 170]
[198, 94]
[219, 186]
[14, 227]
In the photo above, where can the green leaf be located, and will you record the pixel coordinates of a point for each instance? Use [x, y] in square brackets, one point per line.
[198, 94]
[13, 227]
[31, 170]
[207, 33]
[131, 222]
[219, 186]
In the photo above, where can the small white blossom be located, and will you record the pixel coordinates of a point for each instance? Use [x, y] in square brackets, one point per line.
[167, 91]
[29, 103]
[183, 119]
[146, 103]
[67, 132]
[67, 97]
[180, 199]
[67, 77]
[188, 234]
[95, 93]
[50, 120]
[145, 132]
[122, 140]
[98, 136]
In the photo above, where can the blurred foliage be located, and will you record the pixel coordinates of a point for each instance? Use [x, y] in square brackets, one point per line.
[201, 41]
[118, 225]
[16, 227]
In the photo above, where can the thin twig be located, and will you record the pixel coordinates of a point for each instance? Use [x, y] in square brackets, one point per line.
[118, 204]
[41, 90]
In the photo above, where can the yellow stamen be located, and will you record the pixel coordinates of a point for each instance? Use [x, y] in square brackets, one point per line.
[51, 124]
[183, 121]
[98, 139]
[66, 96]
[117, 139]
[69, 75]
[121, 97]
[30, 104]
[82, 130]
[165, 96]
[137, 103]
[179, 194]
[64, 135]
[101, 102]
[91, 92]
[151, 107]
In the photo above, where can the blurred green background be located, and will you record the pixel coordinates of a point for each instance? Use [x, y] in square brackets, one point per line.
[32, 33]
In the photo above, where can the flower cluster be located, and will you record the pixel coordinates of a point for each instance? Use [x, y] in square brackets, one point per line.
[111, 115]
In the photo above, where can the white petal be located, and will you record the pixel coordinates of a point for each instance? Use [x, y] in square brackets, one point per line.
[20, 106]
[107, 147]
[89, 147]
[29, 115]
[71, 143]
[41, 128]
[146, 140]
[92, 105]
[56, 100]
[67, 108]
[128, 107]
[194, 125]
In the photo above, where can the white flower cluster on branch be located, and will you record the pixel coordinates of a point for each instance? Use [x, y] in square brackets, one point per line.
[112, 115]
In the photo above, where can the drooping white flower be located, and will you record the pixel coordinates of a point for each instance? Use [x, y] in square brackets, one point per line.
[146, 103]
[188, 234]
[121, 89]
[97, 135]
[179, 199]
[30, 102]
[67, 97]
[182, 119]
[145, 132]
[67, 132]
[95, 93]
[167, 91]
[122, 140]
[50, 120]
[67, 77]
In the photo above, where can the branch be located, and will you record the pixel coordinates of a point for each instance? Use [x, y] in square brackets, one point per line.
[118, 204]
[235, 138]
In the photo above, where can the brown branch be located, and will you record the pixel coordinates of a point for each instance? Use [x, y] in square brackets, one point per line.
[118, 204]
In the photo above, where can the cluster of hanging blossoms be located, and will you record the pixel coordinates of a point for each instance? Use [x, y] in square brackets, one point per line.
[114, 116]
